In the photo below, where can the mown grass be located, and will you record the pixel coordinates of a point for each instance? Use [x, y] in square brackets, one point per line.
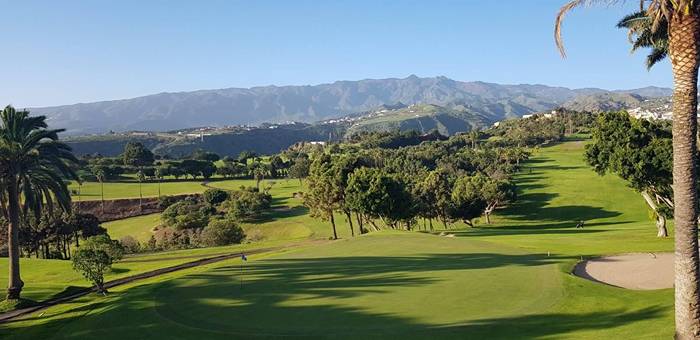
[506, 280]
[45, 279]
[129, 188]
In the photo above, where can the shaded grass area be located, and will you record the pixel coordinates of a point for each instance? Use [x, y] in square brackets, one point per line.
[46, 279]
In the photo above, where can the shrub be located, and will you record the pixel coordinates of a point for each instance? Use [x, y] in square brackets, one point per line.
[187, 214]
[130, 244]
[222, 232]
[152, 243]
[170, 238]
[215, 196]
[166, 201]
[245, 204]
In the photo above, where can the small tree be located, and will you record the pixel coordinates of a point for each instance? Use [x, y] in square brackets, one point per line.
[136, 154]
[95, 257]
[300, 169]
[222, 232]
[92, 264]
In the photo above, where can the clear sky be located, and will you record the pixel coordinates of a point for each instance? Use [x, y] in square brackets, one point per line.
[63, 52]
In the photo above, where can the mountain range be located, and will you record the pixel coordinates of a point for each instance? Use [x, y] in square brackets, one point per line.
[276, 104]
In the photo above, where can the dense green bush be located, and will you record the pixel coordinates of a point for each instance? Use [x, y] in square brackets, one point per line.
[186, 214]
[222, 232]
[171, 238]
[246, 204]
[215, 196]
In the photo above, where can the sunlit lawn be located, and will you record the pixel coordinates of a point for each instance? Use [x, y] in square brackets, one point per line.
[506, 280]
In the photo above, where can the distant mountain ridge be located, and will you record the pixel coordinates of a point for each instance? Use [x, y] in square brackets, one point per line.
[275, 104]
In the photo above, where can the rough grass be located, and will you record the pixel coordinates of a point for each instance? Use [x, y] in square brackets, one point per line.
[507, 280]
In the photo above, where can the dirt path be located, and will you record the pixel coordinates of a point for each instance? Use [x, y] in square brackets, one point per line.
[640, 271]
[9, 316]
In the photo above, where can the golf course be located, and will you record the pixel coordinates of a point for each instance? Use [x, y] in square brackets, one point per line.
[508, 279]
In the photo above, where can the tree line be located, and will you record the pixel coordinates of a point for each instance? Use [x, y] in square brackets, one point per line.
[442, 180]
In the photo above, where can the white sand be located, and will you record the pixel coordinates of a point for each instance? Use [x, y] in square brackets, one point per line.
[642, 271]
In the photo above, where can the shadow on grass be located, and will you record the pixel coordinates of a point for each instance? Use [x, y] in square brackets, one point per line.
[280, 212]
[308, 297]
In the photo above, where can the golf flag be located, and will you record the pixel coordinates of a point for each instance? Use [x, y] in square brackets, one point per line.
[243, 257]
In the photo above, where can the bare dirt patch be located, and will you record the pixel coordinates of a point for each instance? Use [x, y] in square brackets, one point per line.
[640, 271]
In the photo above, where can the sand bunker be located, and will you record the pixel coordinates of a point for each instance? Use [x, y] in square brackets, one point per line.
[641, 271]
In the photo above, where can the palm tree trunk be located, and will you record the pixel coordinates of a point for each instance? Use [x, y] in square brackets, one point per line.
[102, 196]
[684, 51]
[14, 287]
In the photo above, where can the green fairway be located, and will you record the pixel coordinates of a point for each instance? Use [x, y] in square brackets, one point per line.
[140, 227]
[506, 280]
[90, 191]
[557, 189]
[50, 278]
[287, 219]
[385, 284]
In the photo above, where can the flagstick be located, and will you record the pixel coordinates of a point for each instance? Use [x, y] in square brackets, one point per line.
[241, 274]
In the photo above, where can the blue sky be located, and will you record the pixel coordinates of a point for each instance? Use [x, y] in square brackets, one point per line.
[63, 52]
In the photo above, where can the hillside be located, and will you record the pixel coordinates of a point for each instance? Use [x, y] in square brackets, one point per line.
[272, 138]
[422, 118]
[265, 139]
[277, 104]
[604, 102]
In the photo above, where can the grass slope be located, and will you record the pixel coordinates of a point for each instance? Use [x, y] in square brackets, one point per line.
[557, 189]
[507, 280]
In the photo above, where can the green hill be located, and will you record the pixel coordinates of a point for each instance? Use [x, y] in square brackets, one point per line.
[420, 117]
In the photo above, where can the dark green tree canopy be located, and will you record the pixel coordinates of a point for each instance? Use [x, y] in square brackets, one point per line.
[136, 154]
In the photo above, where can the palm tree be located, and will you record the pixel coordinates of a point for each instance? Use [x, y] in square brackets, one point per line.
[158, 174]
[101, 176]
[474, 137]
[141, 176]
[642, 35]
[681, 19]
[33, 166]
[79, 180]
